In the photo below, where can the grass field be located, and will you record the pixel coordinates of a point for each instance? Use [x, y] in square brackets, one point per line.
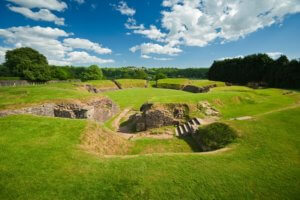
[42, 158]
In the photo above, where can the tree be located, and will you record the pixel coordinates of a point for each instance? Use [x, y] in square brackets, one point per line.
[259, 69]
[92, 73]
[159, 76]
[27, 63]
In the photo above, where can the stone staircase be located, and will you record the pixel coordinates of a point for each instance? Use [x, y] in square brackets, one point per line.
[189, 127]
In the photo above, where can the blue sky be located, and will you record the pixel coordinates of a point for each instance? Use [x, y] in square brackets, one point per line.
[150, 33]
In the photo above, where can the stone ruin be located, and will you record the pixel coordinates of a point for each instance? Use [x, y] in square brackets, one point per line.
[207, 109]
[99, 110]
[170, 114]
[196, 89]
[159, 115]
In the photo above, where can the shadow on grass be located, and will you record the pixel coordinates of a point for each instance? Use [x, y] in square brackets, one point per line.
[191, 142]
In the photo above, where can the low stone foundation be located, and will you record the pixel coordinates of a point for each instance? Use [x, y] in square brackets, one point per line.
[98, 109]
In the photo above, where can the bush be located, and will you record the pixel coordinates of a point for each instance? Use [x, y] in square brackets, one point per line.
[214, 136]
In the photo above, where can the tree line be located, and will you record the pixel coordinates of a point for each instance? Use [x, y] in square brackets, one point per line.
[29, 64]
[258, 68]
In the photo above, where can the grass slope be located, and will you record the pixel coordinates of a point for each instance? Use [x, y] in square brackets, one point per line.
[40, 159]
[184, 81]
[231, 101]
[132, 83]
[102, 84]
[14, 97]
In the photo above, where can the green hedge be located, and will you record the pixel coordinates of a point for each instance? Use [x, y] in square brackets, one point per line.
[214, 136]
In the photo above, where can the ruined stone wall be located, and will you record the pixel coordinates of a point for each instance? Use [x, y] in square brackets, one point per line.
[187, 88]
[98, 109]
[159, 115]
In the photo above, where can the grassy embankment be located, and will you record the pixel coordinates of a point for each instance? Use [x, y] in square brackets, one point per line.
[132, 83]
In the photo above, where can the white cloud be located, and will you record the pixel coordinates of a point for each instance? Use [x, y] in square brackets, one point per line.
[47, 40]
[146, 56]
[155, 58]
[81, 57]
[123, 8]
[231, 57]
[274, 55]
[162, 59]
[2, 53]
[150, 48]
[78, 43]
[59, 62]
[132, 25]
[200, 22]
[152, 33]
[42, 14]
[80, 1]
[48, 4]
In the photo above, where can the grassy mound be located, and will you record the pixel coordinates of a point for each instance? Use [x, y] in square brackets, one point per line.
[179, 83]
[103, 142]
[16, 97]
[214, 136]
[102, 84]
[132, 83]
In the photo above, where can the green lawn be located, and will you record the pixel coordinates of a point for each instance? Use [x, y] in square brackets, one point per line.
[41, 159]
[174, 145]
[137, 96]
[181, 81]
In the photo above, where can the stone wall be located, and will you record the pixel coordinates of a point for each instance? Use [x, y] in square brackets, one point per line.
[196, 89]
[187, 88]
[13, 83]
[18, 83]
[98, 109]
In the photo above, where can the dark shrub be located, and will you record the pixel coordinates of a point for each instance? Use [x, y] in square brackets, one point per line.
[214, 136]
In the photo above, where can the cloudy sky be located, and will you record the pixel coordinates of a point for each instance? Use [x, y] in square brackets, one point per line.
[150, 33]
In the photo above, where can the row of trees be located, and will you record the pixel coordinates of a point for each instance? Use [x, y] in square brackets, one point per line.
[29, 64]
[258, 68]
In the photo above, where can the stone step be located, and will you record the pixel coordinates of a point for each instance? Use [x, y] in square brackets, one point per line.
[183, 130]
[177, 131]
[186, 129]
[180, 130]
[197, 121]
[191, 122]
